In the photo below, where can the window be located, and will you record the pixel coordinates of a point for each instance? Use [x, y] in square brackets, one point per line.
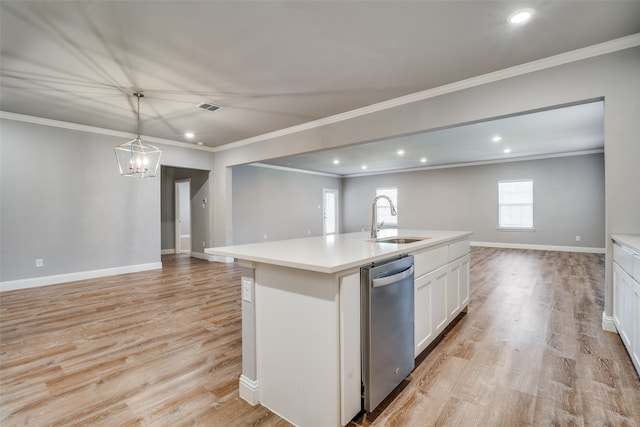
[515, 204]
[383, 208]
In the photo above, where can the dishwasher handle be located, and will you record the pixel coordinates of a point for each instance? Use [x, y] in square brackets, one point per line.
[387, 280]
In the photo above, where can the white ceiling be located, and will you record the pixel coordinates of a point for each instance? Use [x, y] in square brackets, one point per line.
[269, 64]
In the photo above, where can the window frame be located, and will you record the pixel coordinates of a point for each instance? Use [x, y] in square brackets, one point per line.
[500, 205]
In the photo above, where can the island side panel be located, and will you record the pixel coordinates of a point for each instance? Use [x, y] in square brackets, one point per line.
[297, 338]
[248, 384]
[350, 347]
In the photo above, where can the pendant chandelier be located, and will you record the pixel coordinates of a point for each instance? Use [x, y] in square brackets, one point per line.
[136, 157]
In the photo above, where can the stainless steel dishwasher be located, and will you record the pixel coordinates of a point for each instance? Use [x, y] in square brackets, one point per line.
[387, 319]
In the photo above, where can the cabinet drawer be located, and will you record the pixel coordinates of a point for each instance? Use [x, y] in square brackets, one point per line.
[623, 257]
[458, 249]
[430, 260]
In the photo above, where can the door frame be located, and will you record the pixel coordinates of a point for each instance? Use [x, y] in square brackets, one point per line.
[177, 224]
[326, 191]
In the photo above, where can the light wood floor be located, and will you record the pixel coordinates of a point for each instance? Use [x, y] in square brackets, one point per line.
[164, 348]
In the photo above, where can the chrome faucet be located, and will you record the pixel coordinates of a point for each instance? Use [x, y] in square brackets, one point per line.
[375, 227]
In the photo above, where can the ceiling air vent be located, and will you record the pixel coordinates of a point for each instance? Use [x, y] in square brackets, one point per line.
[208, 106]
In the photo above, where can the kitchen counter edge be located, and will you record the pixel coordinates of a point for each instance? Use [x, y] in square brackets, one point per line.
[263, 252]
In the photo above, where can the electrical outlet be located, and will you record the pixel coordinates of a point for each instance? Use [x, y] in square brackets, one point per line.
[39, 263]
[265, 237]
[204, 244]
[577, 238]
[246, 290]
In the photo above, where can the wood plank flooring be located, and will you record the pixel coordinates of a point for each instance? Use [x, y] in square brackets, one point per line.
[160, 348]
[163, 348]
[530, 352]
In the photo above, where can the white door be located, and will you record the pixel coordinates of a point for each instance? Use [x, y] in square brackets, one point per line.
[183, 216]
[329, 211]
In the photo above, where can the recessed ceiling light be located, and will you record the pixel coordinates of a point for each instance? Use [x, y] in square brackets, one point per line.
[521, 16]
[363, 167]
[400, 152]
[507, 150]
[189, 135]
[423, 160]
[336, 162]
[200, 143]
[496, 138]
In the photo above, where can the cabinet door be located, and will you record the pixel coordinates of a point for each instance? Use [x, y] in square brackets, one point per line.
[618, 294]
[457, 286]
[453, 290]
[627, 309]
[439, 300]
[635, 349]
[464, 282]
[423, 328]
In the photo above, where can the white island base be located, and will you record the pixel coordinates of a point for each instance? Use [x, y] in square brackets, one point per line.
[301, 316]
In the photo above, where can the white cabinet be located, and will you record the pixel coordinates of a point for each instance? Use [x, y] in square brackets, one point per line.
[626, 299]
[441, 290]
[458, 286]
[453, 290]
[430, 307]
[464, 282]
[618, 296]
[635, 349]
[423, 326]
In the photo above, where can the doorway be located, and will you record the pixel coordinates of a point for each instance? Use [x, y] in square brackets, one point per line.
[183, 216]
[330, 211]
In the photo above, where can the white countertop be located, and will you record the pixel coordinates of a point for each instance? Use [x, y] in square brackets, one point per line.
[331, 254]
[632, 241]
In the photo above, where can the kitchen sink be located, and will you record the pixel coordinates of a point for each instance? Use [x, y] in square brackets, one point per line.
[400, 240]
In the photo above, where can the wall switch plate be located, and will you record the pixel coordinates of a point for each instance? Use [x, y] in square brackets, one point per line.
[577, 238]
[247, 295]
[39, 263]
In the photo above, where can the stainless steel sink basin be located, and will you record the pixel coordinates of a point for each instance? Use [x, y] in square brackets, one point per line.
[400, 240]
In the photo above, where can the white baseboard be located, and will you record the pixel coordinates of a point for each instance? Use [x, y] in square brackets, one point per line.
[220, 258]
[200, 255]
[608, 323]
[249, 390]
[35, 282]
[540, 247]
[212, 258]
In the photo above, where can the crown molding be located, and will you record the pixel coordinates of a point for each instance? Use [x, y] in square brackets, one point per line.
[286, 169]
[600, 49]
[92, 129]
[480, 163]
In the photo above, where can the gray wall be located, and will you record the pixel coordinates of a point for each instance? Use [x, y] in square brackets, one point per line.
[568, 200]
[63, 200]
[281, 204]
[199, 190]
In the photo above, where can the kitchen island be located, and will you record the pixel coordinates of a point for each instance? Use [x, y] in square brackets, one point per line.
[301, 355]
